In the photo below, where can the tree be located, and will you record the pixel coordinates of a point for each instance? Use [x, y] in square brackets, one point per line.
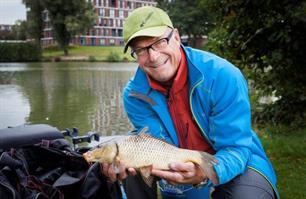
[189, 16]
[68, 18]
[7, 34]
[19, 30]
[34, 19]
[268, 39]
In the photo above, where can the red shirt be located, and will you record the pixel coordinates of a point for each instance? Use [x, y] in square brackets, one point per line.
[188, 132]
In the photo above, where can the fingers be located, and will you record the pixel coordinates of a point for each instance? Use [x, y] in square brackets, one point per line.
[187, 170]
[132, 171]
[188, 166]
[181, 173]
[170, 176]
[118, 172]
[122, 174]
[108, 171]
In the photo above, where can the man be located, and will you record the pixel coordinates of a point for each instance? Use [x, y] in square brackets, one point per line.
[194, 100]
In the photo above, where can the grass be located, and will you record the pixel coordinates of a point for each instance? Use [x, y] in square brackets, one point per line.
[86, 53]
[287, 150]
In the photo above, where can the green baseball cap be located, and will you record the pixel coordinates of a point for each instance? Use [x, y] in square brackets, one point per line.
[145, 21]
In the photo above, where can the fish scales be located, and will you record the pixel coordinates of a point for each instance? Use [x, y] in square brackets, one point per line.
[139, 151]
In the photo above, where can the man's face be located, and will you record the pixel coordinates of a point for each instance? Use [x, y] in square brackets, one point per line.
[162, 64]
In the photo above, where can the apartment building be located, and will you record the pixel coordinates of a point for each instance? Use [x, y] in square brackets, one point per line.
[5, 31]
[108, 30]
[6, 27]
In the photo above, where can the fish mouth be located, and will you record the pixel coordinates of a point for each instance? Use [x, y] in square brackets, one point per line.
[87, 156]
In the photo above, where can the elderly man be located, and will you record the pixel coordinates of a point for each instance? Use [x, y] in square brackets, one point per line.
[194, 100]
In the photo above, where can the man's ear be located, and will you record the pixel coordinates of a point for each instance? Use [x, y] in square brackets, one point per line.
[177, 35]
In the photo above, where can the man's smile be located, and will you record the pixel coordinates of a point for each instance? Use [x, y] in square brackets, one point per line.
[159, 63]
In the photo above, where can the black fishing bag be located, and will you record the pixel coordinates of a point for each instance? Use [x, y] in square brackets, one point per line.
[36, 161]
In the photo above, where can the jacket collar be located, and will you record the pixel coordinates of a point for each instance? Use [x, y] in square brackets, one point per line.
[194, 57]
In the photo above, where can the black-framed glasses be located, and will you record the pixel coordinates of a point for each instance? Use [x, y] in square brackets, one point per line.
[156, 46]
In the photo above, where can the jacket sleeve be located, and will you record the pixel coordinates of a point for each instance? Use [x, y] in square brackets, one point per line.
[230, 123]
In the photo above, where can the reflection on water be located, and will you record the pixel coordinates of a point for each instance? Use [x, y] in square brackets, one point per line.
[14, 107]
[65, 95]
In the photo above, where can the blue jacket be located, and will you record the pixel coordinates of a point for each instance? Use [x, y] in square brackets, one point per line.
[220, 106]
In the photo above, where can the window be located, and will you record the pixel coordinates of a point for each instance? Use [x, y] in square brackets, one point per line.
[138, 5]
[102, 41]
[120, 32]
[112, 41]
[101, 11]
[112, 13]
[114, 32]
[106, 32]
[121, 14]
[93, 41]
[82, 41]
[113, 3]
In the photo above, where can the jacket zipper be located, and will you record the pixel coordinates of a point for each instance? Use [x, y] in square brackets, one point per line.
[195, 118]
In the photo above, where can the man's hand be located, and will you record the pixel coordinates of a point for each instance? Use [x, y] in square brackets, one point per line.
[118, 172]
[182, 173]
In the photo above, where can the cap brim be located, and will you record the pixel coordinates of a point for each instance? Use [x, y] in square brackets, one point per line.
[148, 32]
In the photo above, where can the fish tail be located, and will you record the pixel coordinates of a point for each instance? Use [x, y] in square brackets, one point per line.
[207, 166]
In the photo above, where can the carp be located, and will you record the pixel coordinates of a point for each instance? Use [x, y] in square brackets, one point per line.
[144, 152]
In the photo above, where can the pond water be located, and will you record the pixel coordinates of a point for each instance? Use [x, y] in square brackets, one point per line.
[86, 95]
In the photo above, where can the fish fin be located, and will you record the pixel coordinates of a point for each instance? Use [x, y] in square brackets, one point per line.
[149, 180]
[115, 164]
[146, 175]
[207, 166]
[146, 171]
[143, 131]
[144, 134]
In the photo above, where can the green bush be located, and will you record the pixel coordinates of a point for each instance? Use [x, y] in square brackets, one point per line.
[268, 39]
[19, 52]
[92, 58]
[113, 57]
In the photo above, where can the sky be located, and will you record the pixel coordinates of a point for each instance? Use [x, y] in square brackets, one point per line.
[11, 11]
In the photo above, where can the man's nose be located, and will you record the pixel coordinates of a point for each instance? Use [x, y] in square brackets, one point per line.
[153, 54]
